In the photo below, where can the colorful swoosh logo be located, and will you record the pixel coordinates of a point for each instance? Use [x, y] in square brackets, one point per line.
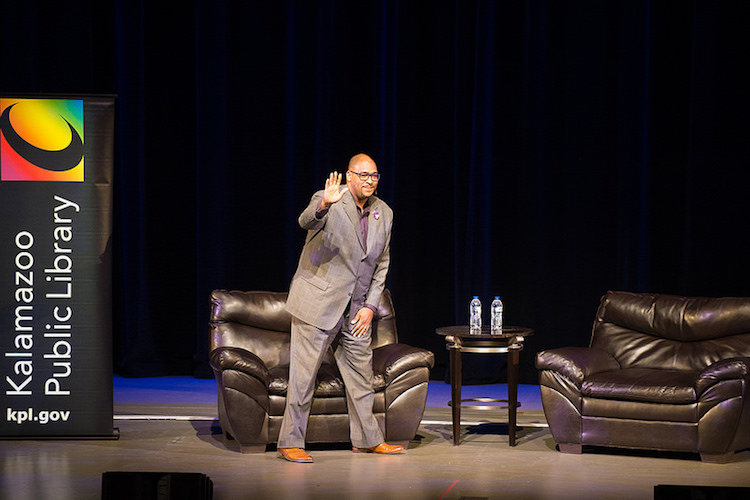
[41, 140]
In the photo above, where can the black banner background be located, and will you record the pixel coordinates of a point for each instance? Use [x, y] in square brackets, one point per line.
[61, 386]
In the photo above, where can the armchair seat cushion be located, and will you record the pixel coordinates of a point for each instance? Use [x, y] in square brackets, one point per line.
[389, 361]
[328, 383]
[643, 384]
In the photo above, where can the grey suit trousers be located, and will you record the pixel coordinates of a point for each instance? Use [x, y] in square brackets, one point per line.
[354, 359]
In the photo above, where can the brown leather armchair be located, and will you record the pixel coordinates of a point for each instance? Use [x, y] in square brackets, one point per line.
[662, 372]
[249, 343]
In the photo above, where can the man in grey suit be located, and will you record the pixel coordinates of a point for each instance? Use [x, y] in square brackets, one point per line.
[335, 292]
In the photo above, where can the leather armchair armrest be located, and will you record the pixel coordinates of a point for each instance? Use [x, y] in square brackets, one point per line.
[393, 360]
[576, 363]
[236, 358]
[726, 369]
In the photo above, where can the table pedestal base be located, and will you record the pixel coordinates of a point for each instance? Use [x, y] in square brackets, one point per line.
[456, 401]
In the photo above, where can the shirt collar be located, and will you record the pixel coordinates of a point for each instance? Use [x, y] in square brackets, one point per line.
[366, 209]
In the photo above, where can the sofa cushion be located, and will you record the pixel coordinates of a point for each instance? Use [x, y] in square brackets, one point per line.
[671, 332]
[684, 319]
[643, 384]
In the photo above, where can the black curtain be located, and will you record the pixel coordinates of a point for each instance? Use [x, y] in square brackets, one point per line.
[543, 151]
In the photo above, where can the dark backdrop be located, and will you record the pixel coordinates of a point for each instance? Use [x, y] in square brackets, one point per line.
[544, 151]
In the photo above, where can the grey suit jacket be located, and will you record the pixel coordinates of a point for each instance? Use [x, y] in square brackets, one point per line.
[333, 260]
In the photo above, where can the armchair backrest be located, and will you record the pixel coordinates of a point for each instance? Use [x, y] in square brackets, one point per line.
[671, 332]
[258, 322]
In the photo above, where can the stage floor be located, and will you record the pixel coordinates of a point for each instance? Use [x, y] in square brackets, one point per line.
[169, 425]
[189, 390]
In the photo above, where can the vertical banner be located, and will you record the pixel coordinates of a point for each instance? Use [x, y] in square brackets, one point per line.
[56, 167]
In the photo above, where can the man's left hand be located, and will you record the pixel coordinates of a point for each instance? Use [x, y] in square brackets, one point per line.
[361, 322]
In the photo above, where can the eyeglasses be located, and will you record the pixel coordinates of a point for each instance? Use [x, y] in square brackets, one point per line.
[364, 175]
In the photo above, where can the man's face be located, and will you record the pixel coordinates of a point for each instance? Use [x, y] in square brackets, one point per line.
[362, 189]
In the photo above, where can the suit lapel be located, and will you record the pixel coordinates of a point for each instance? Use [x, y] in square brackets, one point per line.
[373, 224]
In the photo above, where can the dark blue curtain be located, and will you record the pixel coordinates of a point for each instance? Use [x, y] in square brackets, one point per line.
[543, 151]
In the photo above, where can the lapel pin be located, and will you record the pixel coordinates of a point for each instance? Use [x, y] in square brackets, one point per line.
[376, 214]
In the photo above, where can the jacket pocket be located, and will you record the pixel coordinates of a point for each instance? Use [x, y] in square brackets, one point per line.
[315, 281]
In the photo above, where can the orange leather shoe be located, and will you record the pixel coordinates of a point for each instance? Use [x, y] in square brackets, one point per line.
[385, 448]
[295, 455]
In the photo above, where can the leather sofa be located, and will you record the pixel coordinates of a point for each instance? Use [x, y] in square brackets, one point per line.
[249, 354]
[661, 372]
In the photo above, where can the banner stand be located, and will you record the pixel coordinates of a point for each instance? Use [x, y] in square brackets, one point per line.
[56, 172]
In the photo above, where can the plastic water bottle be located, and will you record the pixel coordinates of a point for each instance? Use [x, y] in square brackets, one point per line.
[496, 316]
[475, 316]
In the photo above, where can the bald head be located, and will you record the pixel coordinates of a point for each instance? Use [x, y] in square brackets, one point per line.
[360, 158]
[360, 188]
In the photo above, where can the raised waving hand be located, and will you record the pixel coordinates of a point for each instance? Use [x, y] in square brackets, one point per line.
[333, 191]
